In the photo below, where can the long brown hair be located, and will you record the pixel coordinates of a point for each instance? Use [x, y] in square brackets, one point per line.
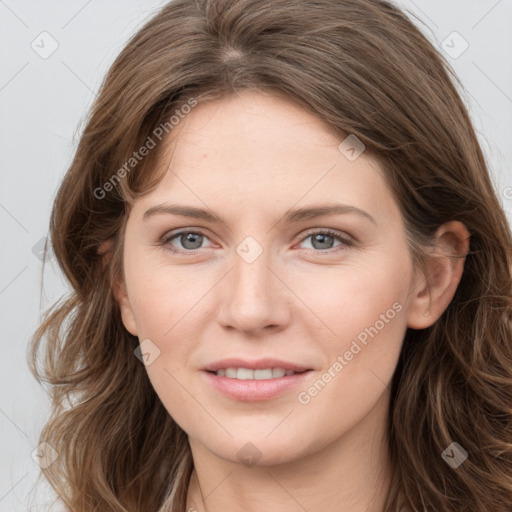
[365, 69]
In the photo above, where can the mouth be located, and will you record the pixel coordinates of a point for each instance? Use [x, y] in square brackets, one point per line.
[242, 373]
[255, 385]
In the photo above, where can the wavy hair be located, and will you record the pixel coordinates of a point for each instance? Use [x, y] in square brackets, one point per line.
[364, 68]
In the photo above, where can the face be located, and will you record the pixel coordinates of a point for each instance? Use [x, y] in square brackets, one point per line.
[268, 284]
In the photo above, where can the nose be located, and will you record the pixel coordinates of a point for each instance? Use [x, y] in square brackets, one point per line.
[254, 300]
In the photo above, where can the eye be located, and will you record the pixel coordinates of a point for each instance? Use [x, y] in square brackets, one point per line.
[323, 240]
[189, 240]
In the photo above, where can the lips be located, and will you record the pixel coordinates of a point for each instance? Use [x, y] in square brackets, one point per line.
[248, 381]
[256, 390]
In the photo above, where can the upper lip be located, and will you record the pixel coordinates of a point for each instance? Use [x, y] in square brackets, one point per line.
[257, 364]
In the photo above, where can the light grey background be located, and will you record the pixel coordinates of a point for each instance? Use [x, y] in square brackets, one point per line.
[42, 102]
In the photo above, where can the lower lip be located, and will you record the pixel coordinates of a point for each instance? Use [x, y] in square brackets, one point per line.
[255, 390]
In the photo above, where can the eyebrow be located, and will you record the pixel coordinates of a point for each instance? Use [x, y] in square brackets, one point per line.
[290, 216]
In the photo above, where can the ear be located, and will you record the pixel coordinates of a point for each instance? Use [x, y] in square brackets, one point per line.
[119, 291]
[434, 291]
[121, 295]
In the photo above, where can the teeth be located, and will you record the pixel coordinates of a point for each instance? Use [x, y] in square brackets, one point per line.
[262, 374]
[244, 374]
[248, 374]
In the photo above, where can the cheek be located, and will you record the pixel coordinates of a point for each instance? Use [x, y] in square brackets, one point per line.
[161, 297]
[166, 309]
[353, 298]
[366, 309]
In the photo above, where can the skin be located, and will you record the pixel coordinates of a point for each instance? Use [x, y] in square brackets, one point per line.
[249, 158]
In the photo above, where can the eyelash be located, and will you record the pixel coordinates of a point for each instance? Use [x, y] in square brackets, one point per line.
[345, 242]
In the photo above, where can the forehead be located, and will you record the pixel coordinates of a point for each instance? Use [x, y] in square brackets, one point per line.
[255, 151]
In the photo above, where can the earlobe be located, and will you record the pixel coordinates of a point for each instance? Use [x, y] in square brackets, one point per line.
[435, 289]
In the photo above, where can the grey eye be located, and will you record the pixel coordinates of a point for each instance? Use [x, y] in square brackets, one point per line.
[322, 241]
[190, 240]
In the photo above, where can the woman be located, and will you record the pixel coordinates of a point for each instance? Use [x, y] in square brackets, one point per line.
[214, 354]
